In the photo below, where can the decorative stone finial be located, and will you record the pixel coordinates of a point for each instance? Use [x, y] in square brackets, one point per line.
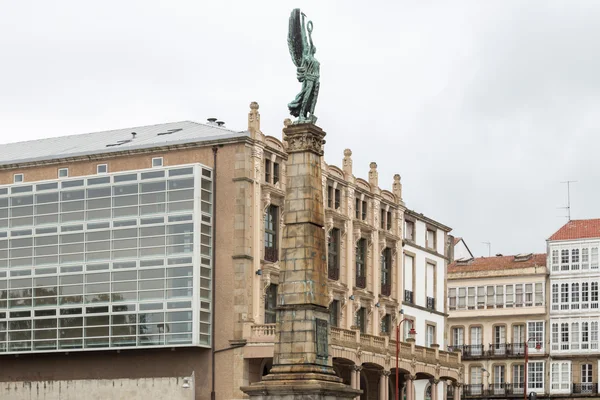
[397, 187]
[347, 163]
[373, 175]
[254, 121]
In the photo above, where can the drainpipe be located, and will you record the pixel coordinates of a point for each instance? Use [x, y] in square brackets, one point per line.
[215, 149]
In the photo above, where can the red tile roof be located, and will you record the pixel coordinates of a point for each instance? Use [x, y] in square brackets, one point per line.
[498, 263]
[578, 229]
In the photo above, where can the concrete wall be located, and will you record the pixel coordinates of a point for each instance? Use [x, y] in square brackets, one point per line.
[106, 389]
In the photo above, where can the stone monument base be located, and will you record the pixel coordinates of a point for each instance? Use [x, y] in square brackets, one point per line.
[299, 386]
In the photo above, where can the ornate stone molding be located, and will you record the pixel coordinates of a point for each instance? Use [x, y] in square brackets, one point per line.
[304, 141]
[382, 244]
[328, 227]
[350, 199]
[266, 282]
[382, 313]
[357, 368]
[357, 236]
[266, 201]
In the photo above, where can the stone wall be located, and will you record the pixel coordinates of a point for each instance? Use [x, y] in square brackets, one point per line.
[105, 389]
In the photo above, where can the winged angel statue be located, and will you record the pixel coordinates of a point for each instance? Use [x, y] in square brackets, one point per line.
[303, 56]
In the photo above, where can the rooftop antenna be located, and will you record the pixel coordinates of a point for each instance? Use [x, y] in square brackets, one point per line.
[489, 245]
[568, 207]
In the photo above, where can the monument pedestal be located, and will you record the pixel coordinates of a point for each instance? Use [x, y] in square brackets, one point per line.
[301, 367]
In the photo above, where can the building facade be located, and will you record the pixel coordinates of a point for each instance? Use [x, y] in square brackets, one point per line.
[574, 311]
[111, 245]
[496, 305]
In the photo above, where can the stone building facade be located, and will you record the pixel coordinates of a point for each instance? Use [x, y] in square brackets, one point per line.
[496, 305]
[239, 249]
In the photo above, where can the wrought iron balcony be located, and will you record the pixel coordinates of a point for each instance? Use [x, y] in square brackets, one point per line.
[386, 289]
[517, 349]
[408, 296]
[431, 303]
[585, 388]
[271, 254]
[473, 390]
[515, 388]
[361, 282]
[498, 350]
[473, 351]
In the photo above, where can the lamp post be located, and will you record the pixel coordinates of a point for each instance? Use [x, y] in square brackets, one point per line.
[537, 347]
[411, 333]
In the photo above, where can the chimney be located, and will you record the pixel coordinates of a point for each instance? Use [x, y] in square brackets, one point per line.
[221, 123]
[212, 121]
[133, 135]
[499, 255]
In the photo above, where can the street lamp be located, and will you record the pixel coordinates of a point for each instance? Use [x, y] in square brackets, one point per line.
[411, 334]
[538, 346]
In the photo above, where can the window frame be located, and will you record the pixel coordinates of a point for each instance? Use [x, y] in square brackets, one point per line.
[156, 160]
[98, 166]
[18, 178]
[63, 170]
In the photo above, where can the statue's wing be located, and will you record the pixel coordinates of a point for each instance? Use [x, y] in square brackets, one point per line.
[296, 41]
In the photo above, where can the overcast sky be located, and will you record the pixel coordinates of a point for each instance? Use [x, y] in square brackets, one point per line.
[483, 107]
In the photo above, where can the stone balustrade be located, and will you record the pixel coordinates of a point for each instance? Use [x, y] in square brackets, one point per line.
[378, 345]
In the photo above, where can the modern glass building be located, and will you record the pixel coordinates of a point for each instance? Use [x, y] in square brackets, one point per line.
[112, 260]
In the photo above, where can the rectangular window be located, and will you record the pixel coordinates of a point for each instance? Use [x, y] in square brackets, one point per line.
[535, 376]
[564, 336]
[585, 295]
[63, 172]
[462, 298]
[409, 264]
[499, 379]
[518, 378]
[509, 296]
[361, 273]
[564, 260]
[386, 323]
[357, 204]
[267, 170]
[18, 178]
[452, 298]
[386, 272]
[575, 259]
[594, 295]
[585, 258]
[430, 239]
[364, 211]
[430, 339]
[499, 296]
[329, 196]
[491, 297]
[535, 331]
[388, 220]
[334, 312]
[594, 335]
[476, 341]
[481, 297]
[101, 168]
[333, 249]
[554, 337]
[409, 230]
[587, 378]
[560, 377]
[271, 304]
[476, 382]
[555, 264]
[555, 300]
[458, 337]
[594, 258]
[271, 231]
[585, 336]
[157, 162]
[276, 173]
[528, 294]
[471, 298]
[361, 320]
[519, 295]
[564, 296]
[539, 294]
[382, 215]
[518, 337]
[574, 296]
[430, 285]
[499, 335]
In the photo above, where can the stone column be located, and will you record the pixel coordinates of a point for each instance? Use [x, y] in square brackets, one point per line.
[381, 385]
[410, 386]
[356, 371]
[386, 375]
[301, 362]
[434, 388]
[457, 390]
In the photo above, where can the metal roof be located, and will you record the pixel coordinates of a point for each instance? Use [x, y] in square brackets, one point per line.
[113, 141]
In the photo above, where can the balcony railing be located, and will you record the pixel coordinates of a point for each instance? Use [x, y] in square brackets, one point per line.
[361, 282]
[333, 273]
[499, 350]
[408, 296]
[515, 388]
[430, 303]
[585, 388]
[517, 349]
[271, 254]
[469, 351]
[473, 390]
[386, 289]
[380, 346]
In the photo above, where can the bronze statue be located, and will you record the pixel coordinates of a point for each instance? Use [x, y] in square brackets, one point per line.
[303, 56]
